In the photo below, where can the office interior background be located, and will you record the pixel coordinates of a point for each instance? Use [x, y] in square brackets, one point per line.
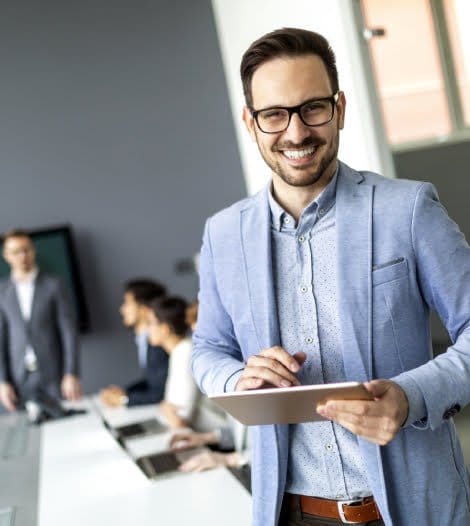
[125, 122]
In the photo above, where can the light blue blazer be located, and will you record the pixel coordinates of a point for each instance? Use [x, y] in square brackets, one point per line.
[398, 255]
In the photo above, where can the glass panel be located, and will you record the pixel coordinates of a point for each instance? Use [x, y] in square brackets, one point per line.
[457, 17]
[407, 69]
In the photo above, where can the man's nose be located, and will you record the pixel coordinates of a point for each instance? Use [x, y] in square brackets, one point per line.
[297, 131]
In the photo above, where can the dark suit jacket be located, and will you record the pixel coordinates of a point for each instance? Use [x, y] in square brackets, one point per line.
[51, 331]
[151, 388]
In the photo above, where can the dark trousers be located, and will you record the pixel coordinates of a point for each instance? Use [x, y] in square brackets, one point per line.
[297, 518]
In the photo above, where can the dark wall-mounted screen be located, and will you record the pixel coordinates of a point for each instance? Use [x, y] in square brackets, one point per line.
[55, 254]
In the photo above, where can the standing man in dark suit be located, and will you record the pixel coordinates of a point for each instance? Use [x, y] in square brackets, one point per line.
[153, 361]
[38, 333]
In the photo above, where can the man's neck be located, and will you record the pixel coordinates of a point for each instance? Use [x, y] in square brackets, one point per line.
[294, 199]
[24, 275]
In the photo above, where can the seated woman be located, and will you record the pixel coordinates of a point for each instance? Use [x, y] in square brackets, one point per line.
[230, 441]
[167, 328]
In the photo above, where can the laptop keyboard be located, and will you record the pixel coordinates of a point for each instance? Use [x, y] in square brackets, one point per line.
[152, 426]
[155, 465]
[164, 462]
[130, 430]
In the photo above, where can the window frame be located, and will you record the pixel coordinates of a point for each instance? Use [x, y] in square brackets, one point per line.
[460, 131]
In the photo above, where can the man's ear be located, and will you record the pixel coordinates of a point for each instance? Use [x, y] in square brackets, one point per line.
[341, 105]
[249, 122]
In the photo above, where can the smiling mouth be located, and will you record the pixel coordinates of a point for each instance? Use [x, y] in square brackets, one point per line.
[304, 153]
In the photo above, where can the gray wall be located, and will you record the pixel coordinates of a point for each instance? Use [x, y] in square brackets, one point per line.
[116, 119]
[446, 166]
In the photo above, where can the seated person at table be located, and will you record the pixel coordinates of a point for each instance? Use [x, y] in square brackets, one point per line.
[153, 360]
[168, 329]
[229, 441]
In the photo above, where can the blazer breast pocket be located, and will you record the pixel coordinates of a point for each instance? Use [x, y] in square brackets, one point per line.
[389, 271]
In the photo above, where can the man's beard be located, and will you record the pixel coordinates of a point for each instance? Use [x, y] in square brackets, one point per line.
[310, 177]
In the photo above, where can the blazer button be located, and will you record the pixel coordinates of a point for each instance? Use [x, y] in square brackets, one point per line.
[452, 411]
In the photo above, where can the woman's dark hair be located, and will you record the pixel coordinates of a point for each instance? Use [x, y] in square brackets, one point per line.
[172, 310]
[286, 42]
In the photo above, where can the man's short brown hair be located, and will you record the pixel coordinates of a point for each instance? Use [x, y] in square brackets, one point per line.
[15, 232]
[286, 42]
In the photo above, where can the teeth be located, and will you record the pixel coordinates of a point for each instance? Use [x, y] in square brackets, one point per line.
[298, 154]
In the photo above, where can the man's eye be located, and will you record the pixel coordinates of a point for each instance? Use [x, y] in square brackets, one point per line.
[314, 107]
[274, 114]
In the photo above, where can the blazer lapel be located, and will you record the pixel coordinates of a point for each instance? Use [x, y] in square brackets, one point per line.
[256, 248]
[36, 297]
[354, 260]
[11, 299]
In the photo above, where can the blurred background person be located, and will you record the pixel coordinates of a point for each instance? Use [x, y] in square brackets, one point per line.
[153, 360]
[228, 444]
[38, 330]
[229, 447]
[169, 329]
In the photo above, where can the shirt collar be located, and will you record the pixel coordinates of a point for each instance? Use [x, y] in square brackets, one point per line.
[321, 204]
[141, 338]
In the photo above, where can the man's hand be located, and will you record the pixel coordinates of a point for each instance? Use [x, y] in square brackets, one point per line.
[8, 396]
[273, 367]
[377, 421]
[112, 396]
[209, 460]
[190, 440]
[70, 387]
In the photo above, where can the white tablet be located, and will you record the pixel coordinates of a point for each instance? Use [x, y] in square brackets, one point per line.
[286, 405]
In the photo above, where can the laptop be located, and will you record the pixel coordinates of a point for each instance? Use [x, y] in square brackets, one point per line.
[156, 465]
[165, 462]
[146, 427]
[151, 426]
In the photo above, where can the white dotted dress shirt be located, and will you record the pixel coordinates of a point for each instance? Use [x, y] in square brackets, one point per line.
[324, 459]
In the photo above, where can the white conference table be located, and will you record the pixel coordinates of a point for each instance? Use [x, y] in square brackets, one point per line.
[87, 478]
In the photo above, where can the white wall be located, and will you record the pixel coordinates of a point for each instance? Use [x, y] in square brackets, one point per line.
[240, 22]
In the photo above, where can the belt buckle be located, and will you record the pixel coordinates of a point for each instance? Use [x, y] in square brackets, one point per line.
[341, 511]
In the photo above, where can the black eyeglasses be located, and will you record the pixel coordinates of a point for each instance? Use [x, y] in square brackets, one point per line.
[313, 112]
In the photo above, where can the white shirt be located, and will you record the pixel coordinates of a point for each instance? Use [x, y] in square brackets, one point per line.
[180, 387]
[25, 293]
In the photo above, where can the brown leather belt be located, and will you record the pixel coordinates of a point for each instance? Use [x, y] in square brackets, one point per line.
[349, 512]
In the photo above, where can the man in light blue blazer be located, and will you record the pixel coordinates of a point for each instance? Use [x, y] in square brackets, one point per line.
[328, 275]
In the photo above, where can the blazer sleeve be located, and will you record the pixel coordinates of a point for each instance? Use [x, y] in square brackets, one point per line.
[67, 327]
[152, 389]
[443, 265]
[217, 357]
